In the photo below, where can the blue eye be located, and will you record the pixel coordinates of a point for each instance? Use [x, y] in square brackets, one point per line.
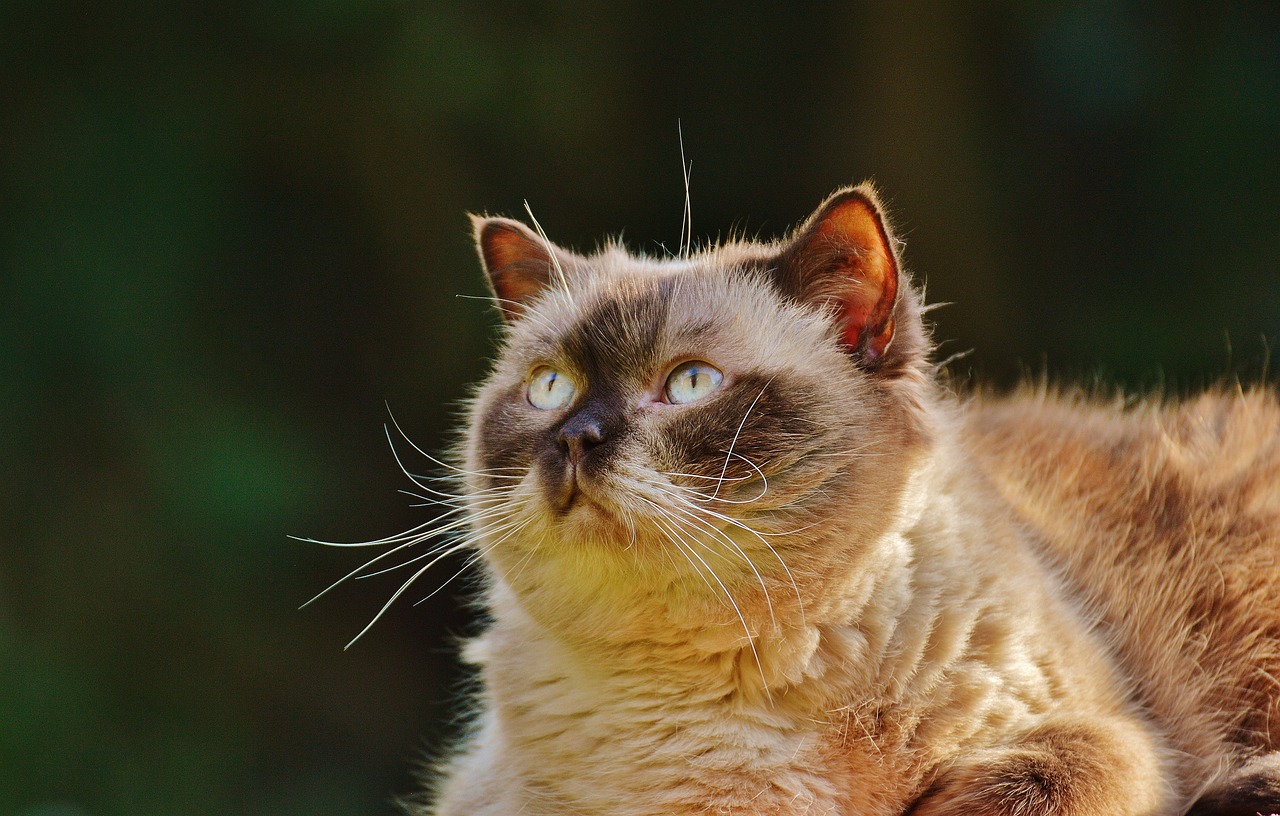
[691, 381]
[549, 389]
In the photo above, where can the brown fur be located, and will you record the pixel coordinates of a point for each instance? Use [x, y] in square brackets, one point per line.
[1165, 519]
[828, 586]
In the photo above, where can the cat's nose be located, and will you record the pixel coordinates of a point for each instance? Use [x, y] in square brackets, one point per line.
[580, 434]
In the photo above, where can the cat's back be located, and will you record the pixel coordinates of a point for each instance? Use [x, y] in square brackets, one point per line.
[1212, 460]
[1165, 522]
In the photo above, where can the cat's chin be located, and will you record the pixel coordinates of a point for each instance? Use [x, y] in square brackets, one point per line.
[588, 520]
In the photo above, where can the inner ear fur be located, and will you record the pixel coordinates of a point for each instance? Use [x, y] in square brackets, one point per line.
[844, 257]
[518, 263]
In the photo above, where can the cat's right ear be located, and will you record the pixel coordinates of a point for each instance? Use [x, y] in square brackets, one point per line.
[844, 258]
[518, 263]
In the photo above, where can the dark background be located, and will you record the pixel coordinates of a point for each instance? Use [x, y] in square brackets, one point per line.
[232, 237]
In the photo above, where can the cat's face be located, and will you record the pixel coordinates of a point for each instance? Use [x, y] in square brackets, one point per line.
[704, 425]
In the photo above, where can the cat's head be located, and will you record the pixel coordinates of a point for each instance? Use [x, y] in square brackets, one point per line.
[728, 433]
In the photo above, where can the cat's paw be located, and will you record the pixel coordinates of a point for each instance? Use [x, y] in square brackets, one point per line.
[1029, 780]
[1055, 771]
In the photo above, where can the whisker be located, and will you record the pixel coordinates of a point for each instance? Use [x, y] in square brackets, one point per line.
[439, 556]
[417, 535]
[517, 308]
[490, 473]
[751, 642]
[679, 493]
[551, 251]
[686, 223]
[452, 478]
[456, 502]
[727, 539]
[759, 535]
[451, 546]
[849, 454]
[460, 500]
[357, 571]
[389, 602]
[672, 537]
[472, 560]
[763, 490]
[700, 476]
[672, 526]
[519, 567]
[444, 552]
[411, 532]
[738, 432]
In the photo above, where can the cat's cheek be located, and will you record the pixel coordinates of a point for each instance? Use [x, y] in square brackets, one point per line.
[552, 474]
[505, 430]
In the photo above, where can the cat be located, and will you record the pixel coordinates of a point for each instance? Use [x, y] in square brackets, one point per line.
[747, 553]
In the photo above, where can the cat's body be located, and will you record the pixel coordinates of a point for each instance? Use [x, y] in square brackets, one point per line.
[1165, 522]
[747, 556]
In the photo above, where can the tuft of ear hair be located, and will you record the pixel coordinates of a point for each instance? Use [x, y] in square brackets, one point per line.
[518, 263]
[844, 256]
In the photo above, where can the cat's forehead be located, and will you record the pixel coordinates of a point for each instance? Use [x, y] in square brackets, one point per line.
[616, 311]
[680, 295]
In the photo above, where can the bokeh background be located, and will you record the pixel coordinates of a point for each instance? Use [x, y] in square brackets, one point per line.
[232, 236]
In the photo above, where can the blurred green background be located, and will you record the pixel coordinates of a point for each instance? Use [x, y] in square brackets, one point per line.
[232, 236]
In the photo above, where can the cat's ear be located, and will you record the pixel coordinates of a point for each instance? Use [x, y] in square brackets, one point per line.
[844, 257]
[518, 263]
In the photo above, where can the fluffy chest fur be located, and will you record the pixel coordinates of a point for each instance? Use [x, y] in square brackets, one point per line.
[937, 646]
[636, 738]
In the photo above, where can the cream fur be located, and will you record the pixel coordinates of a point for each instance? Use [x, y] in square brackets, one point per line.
[936, 631]
[925, 606]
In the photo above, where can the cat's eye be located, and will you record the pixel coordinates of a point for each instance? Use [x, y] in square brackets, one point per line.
[691, 381]
[549, 389]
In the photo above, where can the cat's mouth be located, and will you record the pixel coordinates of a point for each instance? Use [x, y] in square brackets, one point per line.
[576, 498]
[573, 492]
[582, 506]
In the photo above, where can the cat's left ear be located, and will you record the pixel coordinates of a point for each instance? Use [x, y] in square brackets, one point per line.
[844, 257]
[518, 263]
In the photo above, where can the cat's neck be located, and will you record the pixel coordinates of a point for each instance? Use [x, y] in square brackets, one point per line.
[637, 716]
